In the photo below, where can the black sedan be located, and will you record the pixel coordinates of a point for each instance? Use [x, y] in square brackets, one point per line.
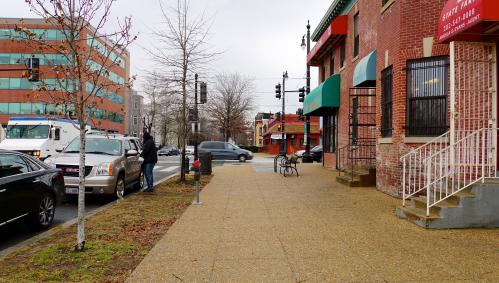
[29, 189]
[168, 151]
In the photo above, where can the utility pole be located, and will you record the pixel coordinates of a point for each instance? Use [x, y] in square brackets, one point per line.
[306, 156]
[283, 132]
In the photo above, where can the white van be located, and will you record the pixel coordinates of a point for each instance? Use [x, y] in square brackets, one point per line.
[38, 136]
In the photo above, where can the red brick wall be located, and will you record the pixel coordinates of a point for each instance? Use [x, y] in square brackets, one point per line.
[368, 12]
[330, 160]
[401, 29]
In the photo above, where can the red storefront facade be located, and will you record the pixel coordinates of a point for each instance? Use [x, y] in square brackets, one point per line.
[294, 134]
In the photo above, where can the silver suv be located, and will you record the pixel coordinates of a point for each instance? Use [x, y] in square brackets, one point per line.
[112, 163]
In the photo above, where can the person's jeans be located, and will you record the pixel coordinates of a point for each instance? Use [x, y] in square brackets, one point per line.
[148, 167]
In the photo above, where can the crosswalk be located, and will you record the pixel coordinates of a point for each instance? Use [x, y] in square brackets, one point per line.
[166, 168]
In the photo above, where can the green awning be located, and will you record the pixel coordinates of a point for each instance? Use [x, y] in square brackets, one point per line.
[365, 71]
[323, 98]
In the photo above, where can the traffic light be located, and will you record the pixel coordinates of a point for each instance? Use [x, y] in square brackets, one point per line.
[299, 112]
[301, 94]
[203, 93]
[33, 69]
[278, 91]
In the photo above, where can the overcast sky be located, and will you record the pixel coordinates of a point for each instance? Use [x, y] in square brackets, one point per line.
[260, 39]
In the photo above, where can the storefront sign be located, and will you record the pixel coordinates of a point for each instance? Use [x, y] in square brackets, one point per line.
[277, 136]
[337, 27]
[458, 16]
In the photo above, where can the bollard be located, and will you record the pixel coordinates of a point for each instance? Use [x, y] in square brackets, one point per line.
[197, 177]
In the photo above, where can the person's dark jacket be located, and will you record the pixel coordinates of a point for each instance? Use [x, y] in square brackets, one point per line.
[149, 153]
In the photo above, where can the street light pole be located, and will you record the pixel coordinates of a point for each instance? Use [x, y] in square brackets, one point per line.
[306, 156]
[196, 118]
[283, 132]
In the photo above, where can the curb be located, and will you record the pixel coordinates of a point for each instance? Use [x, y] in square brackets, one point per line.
[67, 224]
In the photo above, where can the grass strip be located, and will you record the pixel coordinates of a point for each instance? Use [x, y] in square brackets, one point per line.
[118, 238]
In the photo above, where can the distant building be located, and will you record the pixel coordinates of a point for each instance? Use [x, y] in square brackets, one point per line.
[20, 97]
[294, 134]
[134, 113]
[261, 122]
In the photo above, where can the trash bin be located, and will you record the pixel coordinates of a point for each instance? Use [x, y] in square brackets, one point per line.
[186, 165]
[205, 159]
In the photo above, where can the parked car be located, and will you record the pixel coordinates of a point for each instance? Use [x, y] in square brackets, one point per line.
[299, 153]
[29, 189]
[225, 151]
[112, 164]
[168, 150]
[316, 153]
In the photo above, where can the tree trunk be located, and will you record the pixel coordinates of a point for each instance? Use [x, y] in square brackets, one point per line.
[80, 237]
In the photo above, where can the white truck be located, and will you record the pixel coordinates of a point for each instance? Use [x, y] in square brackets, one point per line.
[38, 136]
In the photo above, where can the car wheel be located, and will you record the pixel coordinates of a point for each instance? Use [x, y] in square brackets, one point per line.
[120, 187]
[43, 215]
[242, 158]
[141, 180]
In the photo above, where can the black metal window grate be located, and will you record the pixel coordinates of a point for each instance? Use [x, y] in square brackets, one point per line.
[427, 91]
[386, 102]
[331, 132]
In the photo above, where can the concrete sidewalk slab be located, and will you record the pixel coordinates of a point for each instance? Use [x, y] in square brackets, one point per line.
[262, 227]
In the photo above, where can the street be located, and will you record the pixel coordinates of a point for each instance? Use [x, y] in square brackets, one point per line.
[17, 232]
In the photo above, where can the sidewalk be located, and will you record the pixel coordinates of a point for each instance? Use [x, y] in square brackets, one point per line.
[262, 227]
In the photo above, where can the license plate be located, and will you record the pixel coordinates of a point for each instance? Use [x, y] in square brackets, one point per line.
[72, 191]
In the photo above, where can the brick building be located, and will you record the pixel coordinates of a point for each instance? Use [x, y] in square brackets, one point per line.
[396, 82]
[409, 91]
[345, 52]
[20, 97]
[261, 123]
[294, 134]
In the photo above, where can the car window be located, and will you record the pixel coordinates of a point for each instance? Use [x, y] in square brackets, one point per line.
[218, 145]
[230, 146]
[11, 164]
[127, 145]
[33, 165]
[137, 144]
[133, 146]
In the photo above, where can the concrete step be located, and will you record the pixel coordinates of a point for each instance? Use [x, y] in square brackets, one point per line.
[347, 180]
[420, 203]
[358, 177]
[416, 215]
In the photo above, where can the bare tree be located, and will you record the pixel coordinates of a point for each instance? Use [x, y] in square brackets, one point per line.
[231, 103]
[91, 53]
[182, 50]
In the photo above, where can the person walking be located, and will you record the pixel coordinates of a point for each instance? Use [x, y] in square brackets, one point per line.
[150, 155]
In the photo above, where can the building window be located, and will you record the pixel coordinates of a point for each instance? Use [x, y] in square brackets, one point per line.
[343, 51]
[427, 81]
[331, 65]
[356, 37]
[386, 101]
[323, 73]
[331, 132]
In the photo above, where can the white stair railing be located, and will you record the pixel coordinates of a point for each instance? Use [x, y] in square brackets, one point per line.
[473, 161]
[413, 171]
